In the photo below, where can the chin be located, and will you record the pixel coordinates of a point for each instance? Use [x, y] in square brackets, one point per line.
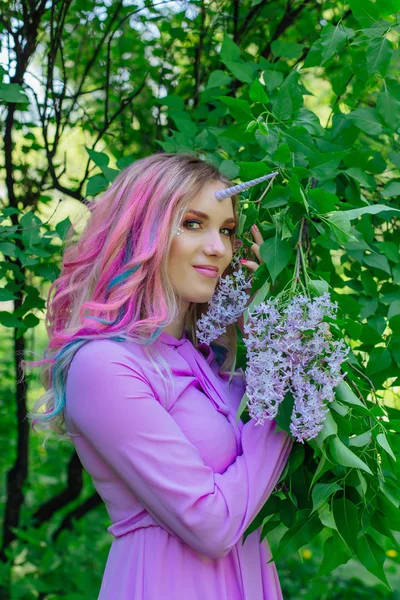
[199, 298]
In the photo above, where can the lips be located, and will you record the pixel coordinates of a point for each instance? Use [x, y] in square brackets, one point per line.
[209, 267]
[207, 271]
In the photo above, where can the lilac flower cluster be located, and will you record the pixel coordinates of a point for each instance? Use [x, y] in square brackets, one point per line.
[226, 305]
[290, 348]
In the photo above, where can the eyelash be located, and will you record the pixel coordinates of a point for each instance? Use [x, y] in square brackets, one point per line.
[232, 230]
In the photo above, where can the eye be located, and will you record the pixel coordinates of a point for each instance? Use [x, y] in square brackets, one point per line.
[230, 230]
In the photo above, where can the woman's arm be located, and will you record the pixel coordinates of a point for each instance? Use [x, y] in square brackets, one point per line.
[114, 408]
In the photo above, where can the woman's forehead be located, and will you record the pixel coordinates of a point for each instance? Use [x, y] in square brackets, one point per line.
[206, 201]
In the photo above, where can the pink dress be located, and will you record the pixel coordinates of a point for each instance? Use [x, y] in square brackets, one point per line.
[181, 482]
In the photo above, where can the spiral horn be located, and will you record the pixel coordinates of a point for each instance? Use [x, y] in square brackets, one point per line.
[241, 187]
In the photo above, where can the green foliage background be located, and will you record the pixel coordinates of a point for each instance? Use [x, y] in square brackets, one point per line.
[307, 88]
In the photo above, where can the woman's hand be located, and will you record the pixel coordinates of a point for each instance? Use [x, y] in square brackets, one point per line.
[258, 240]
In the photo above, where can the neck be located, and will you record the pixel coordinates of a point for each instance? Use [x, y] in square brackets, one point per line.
[176, 328]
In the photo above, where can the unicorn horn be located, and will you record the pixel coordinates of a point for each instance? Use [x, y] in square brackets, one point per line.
[241, 187]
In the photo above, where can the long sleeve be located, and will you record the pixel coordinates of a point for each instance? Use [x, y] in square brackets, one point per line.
[114, 408]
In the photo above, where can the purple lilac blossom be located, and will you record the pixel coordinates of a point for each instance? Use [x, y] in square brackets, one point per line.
[290, 349]
[226, 305]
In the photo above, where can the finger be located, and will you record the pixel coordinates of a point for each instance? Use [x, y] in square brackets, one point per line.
[250, 264]
[257, 235]
[256, 249]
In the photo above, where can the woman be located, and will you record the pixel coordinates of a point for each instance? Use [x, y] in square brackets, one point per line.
[148, 409]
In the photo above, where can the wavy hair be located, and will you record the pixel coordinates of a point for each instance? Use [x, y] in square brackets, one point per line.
[102, 290]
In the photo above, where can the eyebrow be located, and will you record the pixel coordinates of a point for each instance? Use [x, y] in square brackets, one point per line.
[206, 217]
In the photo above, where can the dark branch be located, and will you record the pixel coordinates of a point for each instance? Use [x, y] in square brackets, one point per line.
[92, 502]
[73, 490]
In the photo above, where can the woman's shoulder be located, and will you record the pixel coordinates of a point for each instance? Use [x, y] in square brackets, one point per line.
[101, 353]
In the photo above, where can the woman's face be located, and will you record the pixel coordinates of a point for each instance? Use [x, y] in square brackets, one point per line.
[202, 241]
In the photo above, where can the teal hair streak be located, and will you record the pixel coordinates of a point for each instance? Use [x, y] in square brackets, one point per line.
[58, 378]
[122, 277]
[115, 281]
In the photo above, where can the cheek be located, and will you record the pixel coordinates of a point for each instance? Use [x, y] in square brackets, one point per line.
[177, 254]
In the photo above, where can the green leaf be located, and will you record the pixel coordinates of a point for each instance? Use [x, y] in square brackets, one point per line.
[6, 295]
[319, 286]
[206, 140]
[101, 160]
[286, 49]
[395, 158]
[360, 440]
[389, 249]
[372, 556]
[285, 410]
[229, 168]
[340, 225]
[377, 261]
[239, 109]
[242, 71]
[346, 519]
[8, 249]
[324, 465]
[324, 166]
[321, 492]
[242, 406]
[394, 309]
[366, 13]
[339, 408]
[391, 492]
[363, 179]
[259, 297]
[300, 141]
[96, 184]
[63, 227]
[333, 556]
[257, 92]
[379, 55]
[125, 161]
[183, 122]
[8, 320]
[379, 360]
[391, 190]
[333, 40]
[366, 119]
[382, 441]
[388, 105]
[380, 523]
[174, 102]
[272, 79]
[388, 7]
[229, 50]
[218, 79]
[390, 511]
[282, 154]
[276, 254]
[345, 457]
[329, 428]
[31, 320]
[302, 533]
[282, 105]
[13, 92]
[269, 141]
[322, 201]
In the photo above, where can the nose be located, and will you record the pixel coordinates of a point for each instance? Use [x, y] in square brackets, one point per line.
[215, 245]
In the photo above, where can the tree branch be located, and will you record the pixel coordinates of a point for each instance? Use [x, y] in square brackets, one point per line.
[92, 502]
[73, 490]
[286, 21]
